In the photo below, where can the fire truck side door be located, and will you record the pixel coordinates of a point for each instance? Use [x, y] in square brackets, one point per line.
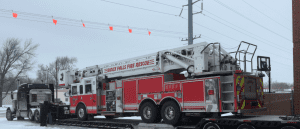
[73, 98]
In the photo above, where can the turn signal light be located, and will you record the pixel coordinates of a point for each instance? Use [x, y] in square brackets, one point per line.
[210, 92]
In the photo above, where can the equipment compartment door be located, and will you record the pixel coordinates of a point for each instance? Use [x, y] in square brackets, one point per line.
[130, 95]
[193, 95]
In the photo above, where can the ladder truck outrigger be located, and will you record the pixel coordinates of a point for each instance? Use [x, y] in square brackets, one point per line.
[153, 86]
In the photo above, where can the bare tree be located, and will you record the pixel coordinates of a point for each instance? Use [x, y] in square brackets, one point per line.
[61, 63]
[15, 60]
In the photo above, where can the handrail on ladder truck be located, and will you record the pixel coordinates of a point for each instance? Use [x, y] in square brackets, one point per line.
[245, 52]
[214, 52]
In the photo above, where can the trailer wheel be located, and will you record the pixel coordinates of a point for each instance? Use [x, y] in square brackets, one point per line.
[9, 116]
[211, 125]
[170, 113]
[149, 113]
[245, 126]
[288, 127]
[30, 115]
[81, 113]
[37, 116]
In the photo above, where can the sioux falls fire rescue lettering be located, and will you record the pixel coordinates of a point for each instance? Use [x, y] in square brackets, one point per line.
[129, 66]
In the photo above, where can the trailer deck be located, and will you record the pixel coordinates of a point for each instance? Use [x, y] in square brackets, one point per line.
[267, 121]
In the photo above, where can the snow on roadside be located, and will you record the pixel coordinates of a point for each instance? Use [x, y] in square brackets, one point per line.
[4, 107]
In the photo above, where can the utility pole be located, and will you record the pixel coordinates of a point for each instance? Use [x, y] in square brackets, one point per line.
[190, 11]
[190, 20]
[296, 55]
[56, 83]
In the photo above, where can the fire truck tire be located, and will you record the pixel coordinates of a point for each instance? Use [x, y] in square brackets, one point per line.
[211, 125]
[30, 115]
[288, 127]
[170, 113]
[81, 113]
[245, 126]
[37, 116]
[9, 116]
[149, 113]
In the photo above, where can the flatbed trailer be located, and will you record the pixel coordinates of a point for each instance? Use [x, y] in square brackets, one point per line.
[250, 122]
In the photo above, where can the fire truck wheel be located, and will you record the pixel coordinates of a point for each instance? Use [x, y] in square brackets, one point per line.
[170, 113]
[81, 112]
[9, 116]
[211, 125]
[149, 113]
[245, 126]
[37, 116]
[288, 127]
[30, 115]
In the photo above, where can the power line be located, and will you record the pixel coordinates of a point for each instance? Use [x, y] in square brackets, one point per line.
[138, 8]
[244, 33]
[266, 15]
[221, 23]
[250, 20]
[275, 11]
[241, 28]
[88, 27]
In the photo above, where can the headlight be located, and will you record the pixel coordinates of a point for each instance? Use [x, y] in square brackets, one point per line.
[66, 108]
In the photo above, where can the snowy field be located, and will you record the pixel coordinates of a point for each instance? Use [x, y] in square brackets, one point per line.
[26, 124]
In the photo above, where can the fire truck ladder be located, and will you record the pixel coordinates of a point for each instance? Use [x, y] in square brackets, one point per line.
[245, 52]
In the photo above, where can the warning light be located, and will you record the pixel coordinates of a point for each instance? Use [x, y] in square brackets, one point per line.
[130, 30]
[54, 21]
[149, 33]
[83, 24]
[15, 15]
[111, 28]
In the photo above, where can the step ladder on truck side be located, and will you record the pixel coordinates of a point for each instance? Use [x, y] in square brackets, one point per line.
[190, 81]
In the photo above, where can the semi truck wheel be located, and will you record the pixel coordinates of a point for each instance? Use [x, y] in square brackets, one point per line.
[170, 113]
[245, 126]
[30, 115]
[149, 113]
[9, 116]
[37, 116]
[81, 112]
[211, 125]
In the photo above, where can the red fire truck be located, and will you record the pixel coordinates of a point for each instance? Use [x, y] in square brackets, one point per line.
[194, 80]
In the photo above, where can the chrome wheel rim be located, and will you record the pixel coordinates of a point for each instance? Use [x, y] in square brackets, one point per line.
[170, 113]
[147, 112]
[81, 112]
[37, 116]
[30, 115]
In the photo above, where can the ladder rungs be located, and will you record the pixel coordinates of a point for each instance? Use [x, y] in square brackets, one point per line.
[227, 92]
[227, 110]
[227, 101]
[227, 82]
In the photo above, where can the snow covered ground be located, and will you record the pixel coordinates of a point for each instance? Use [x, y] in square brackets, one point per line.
[26, 124]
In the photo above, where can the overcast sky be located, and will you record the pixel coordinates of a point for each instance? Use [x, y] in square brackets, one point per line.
[267, 23]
